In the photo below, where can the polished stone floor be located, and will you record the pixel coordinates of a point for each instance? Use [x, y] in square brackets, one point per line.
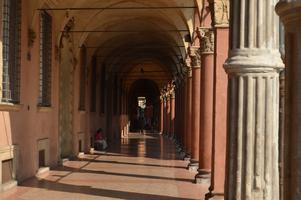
[142, 167]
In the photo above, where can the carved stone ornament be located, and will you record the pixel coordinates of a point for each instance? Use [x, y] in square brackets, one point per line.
[189, 71]
[221, 12]
[31, 37]
[162, 94]
[171, 90]
[206, 36]
[188, 62]
[195, 56]
[69, 25]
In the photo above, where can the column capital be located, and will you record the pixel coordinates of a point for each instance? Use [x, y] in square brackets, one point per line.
[289, 11]
[188, 70]
[172, 94]
[220, 12]
[206, 36]
[195, 56]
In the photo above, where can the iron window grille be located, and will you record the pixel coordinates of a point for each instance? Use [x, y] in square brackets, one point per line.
[83, 74]
[103, 89]
[11, 24]
[45, 59]
[93, 85]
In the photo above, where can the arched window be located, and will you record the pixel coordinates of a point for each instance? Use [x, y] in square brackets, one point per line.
[83, 74]
[11, 40]
[45, 59]
[93, 85]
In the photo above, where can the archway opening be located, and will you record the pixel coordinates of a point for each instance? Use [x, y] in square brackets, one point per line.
[144, 105]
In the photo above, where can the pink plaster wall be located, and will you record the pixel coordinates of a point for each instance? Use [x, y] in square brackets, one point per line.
[26, 126]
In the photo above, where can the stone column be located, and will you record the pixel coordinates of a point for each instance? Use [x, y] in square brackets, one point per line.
[194, 53]
[220, 12]
[176, 118]
[188, 112]
[161, 113]
[185, 104]
[183, 117]
[206, 36]
[172, 112]
[289, 12]
[253, 94]
[168, 118]
[164, 114]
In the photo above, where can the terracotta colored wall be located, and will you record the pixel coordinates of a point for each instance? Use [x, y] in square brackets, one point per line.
[29, 124]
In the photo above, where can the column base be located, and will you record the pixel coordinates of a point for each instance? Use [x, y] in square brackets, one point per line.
[42, 172]
[203, 177]
[9, 185]
[213, 196]
[193, 166]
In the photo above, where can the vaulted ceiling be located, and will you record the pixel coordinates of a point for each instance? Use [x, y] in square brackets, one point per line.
[152, 35]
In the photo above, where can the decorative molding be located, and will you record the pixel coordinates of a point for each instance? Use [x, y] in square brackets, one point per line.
[10, 107]
[206, 36]
[189, 71]
[253, 61]
[67, 36]
[289, 11]
[44, 109]
[68, 27]
[220, 12]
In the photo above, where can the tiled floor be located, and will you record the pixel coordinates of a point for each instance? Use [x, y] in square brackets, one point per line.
[143, 167]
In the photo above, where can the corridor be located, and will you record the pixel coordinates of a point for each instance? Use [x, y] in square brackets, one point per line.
[142, 167]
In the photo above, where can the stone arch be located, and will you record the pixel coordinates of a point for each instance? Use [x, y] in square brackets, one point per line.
[67, 63]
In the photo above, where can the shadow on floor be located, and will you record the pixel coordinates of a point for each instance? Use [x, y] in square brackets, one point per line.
[44, 184]
[81, 170]
[128, 163]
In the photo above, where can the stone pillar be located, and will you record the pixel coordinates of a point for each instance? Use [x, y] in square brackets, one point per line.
[161, 113]
[164, 114]
[182, 111]
[194, 53]
[168, 118]
[185, 104]
[172, 113]
[178, 114]
[206, 36]
[219, 11]
[289, 12]
[188, 112]
[183, 116]
[253, 94]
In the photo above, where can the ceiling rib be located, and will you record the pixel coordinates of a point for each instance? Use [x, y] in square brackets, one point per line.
[134, 47]
[117, 8]
[124, 31]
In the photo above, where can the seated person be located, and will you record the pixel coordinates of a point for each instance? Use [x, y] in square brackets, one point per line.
[100, 140]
